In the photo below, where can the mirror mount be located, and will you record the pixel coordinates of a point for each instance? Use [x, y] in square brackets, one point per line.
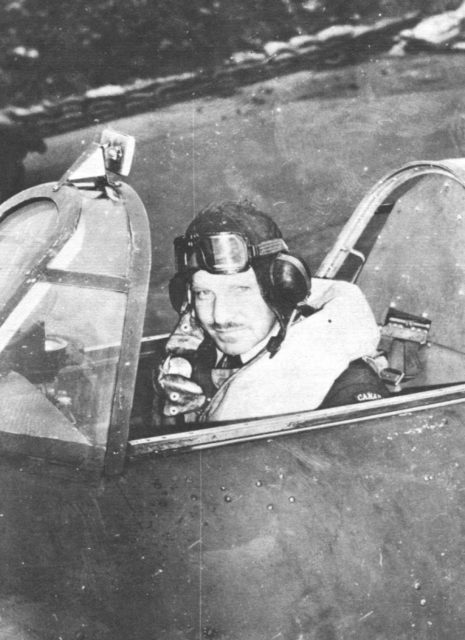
[111, 154]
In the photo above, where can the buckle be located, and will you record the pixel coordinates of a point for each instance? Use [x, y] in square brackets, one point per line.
[392, 376]
[405, 326]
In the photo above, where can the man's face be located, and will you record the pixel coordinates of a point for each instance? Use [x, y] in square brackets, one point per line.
[231, 310]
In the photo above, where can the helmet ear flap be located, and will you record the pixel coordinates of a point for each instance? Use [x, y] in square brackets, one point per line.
[178, 291]
[291, 280]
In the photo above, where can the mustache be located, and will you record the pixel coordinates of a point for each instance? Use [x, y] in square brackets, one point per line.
[225, 325]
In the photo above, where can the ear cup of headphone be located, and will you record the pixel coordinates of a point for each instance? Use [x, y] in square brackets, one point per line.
[291, 280]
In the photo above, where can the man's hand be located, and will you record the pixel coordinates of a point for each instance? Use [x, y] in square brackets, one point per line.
[181, 393]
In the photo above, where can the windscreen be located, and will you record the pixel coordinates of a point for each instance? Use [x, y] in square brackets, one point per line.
[24, 238]
[59, 352]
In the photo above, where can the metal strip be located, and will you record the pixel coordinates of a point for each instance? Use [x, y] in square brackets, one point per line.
[139, 273]
[296, 423]
[353, 229]
[87, 280]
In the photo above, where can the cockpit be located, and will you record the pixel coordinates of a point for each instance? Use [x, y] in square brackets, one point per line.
[76, 371]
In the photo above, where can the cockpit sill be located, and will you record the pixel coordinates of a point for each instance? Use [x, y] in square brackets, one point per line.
[202, 436]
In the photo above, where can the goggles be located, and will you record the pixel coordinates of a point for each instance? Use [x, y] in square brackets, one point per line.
[223, 253]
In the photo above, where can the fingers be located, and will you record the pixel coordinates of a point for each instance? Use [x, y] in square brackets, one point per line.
[176, 365]
[174, 383]
[182, 395]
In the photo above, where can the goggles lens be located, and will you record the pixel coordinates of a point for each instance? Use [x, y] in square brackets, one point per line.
[217, 253]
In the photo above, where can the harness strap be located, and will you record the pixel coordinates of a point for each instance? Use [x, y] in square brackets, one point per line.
[402, 337]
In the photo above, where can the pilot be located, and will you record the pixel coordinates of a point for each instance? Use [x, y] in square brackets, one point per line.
[258, 336]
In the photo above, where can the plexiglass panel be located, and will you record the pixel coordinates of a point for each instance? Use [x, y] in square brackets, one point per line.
[59, 352]
[417, 266]
[24, 238]
[417, 262]
[100, 244]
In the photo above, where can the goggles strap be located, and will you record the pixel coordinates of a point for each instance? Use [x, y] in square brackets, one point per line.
[268, 247]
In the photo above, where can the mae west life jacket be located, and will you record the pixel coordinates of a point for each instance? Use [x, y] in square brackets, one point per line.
[316, 351]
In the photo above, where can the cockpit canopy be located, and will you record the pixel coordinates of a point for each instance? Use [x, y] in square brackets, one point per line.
[74, 268]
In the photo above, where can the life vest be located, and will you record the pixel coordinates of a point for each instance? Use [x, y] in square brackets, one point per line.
[317, 349]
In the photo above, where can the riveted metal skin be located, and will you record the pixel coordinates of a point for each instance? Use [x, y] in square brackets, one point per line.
[333, 530]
